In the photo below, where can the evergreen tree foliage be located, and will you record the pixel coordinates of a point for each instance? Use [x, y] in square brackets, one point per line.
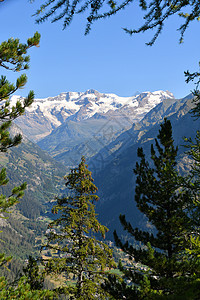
[194, 153]
[166, 271]
[6, 202]
[155, 12]
[193, 253]
[33, 275]
[195, 77]
[72, 235]
[16, 193]
[22, 291]
[34, 282]
[13, 56]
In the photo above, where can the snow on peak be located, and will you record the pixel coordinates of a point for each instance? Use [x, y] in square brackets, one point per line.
[67, 104]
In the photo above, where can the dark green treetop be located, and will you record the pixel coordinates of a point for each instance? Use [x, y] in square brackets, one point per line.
[72, 235]
[193, 253]
[22, 291]
[34, 277]
[196, 78]
[13, 54]
[160, 195]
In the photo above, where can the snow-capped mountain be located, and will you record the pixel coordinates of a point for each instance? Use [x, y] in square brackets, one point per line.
[46, 114]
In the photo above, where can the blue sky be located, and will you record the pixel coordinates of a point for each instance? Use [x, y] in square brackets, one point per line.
[108, 59]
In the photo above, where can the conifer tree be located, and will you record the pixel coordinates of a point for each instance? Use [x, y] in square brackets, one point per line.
[155, 12]
[72, 235]
[23, 291]
[13, 56]
[34, 277]
[193, 183]
[164, 271]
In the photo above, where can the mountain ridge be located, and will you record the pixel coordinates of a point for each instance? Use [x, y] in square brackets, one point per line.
[49, 113]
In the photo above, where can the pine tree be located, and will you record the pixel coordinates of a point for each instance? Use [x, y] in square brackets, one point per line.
[72, 235]
[23, 291]
[193, 183]
[13, 56]
[160, 195]
[32, 272]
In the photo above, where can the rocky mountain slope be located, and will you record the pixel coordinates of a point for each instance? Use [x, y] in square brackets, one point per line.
[27, 162]
[167, 108]
[114, 171]
[47, 114]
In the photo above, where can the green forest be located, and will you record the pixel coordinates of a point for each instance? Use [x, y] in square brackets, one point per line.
[71, 258]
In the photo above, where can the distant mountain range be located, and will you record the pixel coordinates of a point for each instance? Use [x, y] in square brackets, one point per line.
[72, 124]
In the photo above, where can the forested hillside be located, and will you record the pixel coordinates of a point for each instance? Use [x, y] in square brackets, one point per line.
[26, 224]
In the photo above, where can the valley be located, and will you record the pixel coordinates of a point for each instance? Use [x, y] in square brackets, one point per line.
[107, 130]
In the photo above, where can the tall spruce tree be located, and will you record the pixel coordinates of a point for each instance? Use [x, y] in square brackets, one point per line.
[193, 183]
[193, 253]
[160, 195]
[72, 235]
